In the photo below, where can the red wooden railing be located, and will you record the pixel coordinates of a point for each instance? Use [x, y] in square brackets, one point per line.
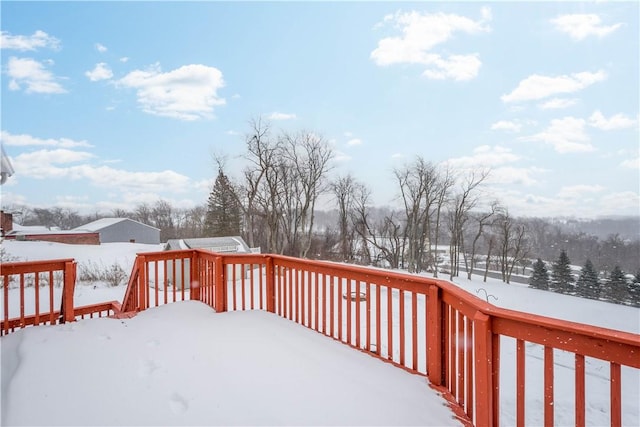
[423, 325]
[43, 293]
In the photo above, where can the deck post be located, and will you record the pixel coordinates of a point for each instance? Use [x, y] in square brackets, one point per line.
[143, 285]
[434, 335]
[194, 274]
[220, 286]
[68, 288]
[271, 288]
[483, 349]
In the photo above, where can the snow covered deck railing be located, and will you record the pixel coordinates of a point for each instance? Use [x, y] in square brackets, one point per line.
[423, 325]
[45, 293]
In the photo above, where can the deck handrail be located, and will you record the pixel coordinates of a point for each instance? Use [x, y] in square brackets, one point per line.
[49, 274]
[424, 325]
[457, 333]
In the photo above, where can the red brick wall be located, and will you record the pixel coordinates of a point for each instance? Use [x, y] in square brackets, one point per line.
[71, 239]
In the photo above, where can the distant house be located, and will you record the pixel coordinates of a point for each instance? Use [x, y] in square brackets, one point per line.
[11, 231]
[44, 234]
[113, 230]
[230, 244]
[106, 230]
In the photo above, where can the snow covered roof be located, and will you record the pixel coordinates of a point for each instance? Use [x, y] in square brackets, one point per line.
[215, 244]
[25, 230]
[102, 223]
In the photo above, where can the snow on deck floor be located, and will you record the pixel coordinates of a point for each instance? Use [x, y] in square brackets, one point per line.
[183, 364]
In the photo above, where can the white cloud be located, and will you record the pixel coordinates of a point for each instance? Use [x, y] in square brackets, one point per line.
[506, 125]
[100, 72]
[579, 191]
[340, 156]
[558, 103]
[32, 74]
[40, 163]
[620, 203]
[617, 121]
[397, 156]
[456, 67]
[101, 48]
[538, 87]
[507, 175]
[124, 59]
[484, 156]
[631, 163]
[25, 140]
[421, 33]
[580, 26]
[186, 93]
[281, 116]
[44, 164]
[24, 43]
[232, 132]
[354, 141]
[566, 135]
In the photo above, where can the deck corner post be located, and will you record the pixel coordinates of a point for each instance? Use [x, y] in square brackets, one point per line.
[220, 285]
[484, 370]
[68, 289]
[435, 351]
[271, 288]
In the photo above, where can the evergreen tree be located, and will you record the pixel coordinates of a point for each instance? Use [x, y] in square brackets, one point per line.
[224, 216]
[588, 285]
[540, 277]
[615, 289]
[561, 278]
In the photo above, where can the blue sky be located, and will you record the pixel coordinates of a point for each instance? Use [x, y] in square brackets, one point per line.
[111, 104]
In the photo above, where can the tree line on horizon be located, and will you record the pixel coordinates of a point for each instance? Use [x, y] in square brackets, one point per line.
[274, 205]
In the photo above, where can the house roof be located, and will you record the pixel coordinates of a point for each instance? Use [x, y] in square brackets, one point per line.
[215, 244]
[103, 223]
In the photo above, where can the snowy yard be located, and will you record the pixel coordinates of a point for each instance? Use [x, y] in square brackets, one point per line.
[179, 364]
[183, 364]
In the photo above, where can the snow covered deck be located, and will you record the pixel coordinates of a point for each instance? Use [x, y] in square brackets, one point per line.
[184, 364]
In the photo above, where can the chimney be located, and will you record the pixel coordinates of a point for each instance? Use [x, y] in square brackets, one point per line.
[6, 222]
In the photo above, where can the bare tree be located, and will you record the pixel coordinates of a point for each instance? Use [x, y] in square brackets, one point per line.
[491, 244]
[142, 214]
[343, 189]
[260, 157]
[482, 220]
[463, 202]
[305, 157]
[162, 218]
[360, 220]
[444, 184]
[384, 238]
[417, 183]
[513, 244]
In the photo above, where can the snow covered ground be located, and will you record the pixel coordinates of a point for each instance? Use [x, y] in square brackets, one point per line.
[174, 364]
[183, 364]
